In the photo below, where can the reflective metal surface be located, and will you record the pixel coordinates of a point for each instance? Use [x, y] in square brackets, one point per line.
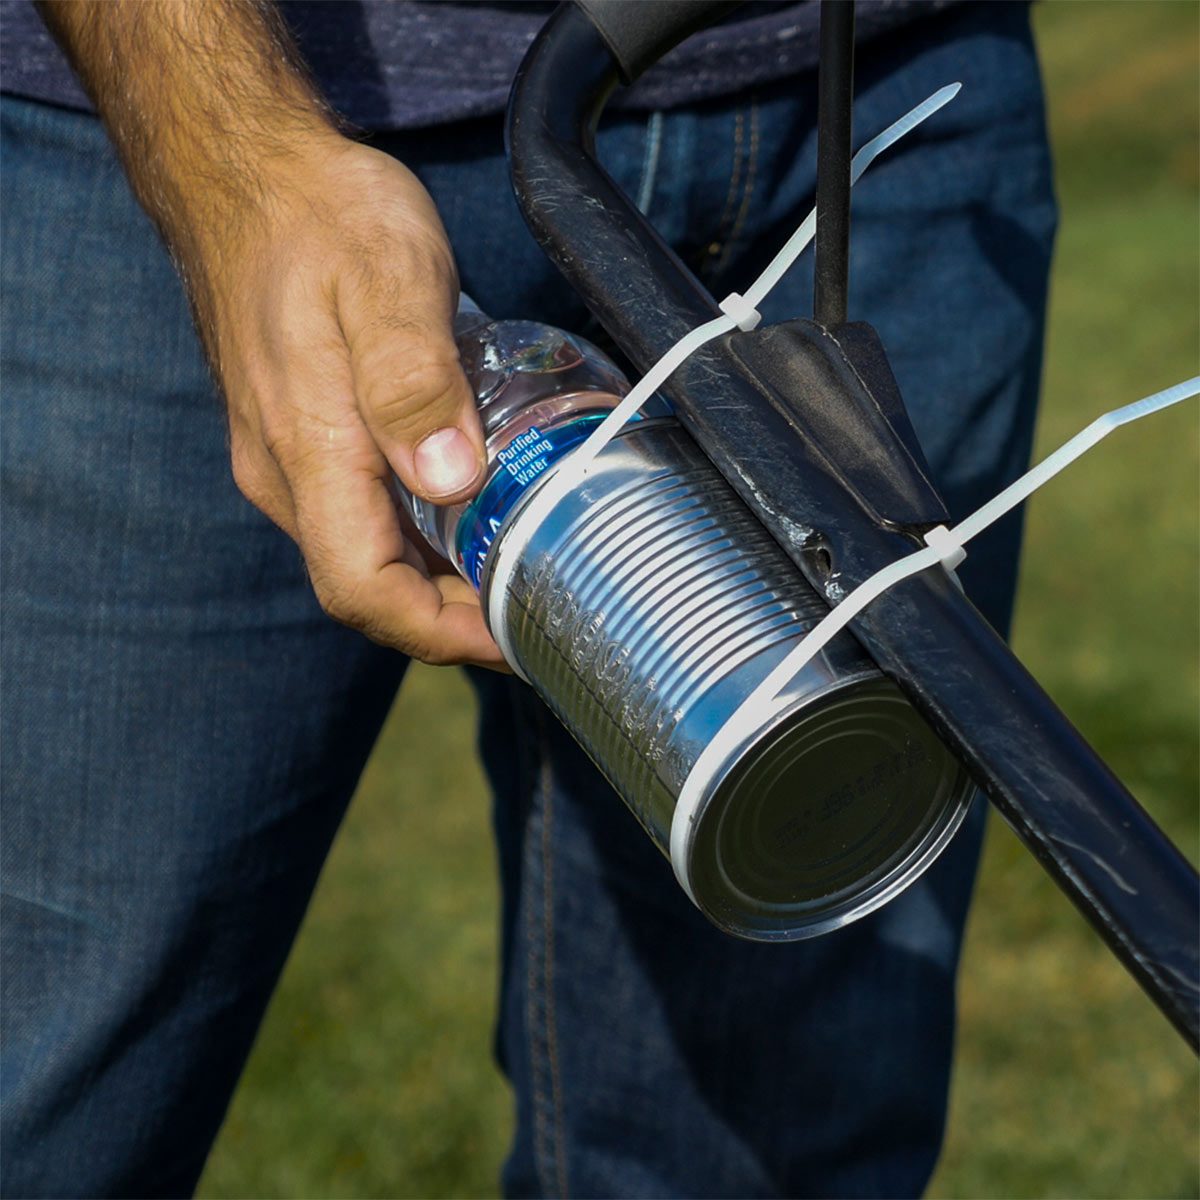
[644, 609]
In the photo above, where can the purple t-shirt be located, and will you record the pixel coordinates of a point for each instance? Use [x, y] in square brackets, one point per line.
[400, 64]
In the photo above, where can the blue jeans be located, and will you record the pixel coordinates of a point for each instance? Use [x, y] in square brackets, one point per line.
[182, 726]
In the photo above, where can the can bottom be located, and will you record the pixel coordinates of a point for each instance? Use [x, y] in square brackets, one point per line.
[832, 812]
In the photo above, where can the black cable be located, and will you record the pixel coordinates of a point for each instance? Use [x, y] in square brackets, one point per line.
[835, 96]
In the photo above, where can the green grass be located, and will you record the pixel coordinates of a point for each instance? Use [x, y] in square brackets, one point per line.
[372, 1075]
[1068, 1083]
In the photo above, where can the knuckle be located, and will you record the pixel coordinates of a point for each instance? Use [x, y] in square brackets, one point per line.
[408, 641]
[404, 396]
[421, 648]
[344, 603]
[438, 657]
[341, 602]
[250, 475]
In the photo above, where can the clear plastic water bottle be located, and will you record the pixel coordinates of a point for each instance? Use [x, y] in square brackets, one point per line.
[540, 392]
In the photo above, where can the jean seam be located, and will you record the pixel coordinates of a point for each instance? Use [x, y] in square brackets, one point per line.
[748, 191]
[543, 1034]
[650, 160]
[735, 179]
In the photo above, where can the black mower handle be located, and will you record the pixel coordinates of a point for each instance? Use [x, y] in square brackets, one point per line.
[806, 421]
[639, 32]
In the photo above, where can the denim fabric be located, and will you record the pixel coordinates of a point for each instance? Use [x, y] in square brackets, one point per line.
[182, 727]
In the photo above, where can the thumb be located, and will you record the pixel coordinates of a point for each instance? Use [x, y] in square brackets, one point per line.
[411, 390]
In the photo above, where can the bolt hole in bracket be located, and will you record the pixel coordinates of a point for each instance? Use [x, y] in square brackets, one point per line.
[806, 423]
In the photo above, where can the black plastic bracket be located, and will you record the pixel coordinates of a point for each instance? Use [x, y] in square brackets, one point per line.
[851, 415]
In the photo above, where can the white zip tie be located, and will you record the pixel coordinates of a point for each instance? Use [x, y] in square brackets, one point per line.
[739, 312]
[866, 155]
[945, 546]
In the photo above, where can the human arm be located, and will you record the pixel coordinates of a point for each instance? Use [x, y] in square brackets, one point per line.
[323, 288]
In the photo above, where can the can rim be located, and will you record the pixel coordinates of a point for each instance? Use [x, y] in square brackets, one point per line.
[937, 831]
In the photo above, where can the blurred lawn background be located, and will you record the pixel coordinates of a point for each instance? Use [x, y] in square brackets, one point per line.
[372, 1075]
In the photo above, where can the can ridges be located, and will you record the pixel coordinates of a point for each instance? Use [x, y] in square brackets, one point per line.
[647, 605]
[684, 557]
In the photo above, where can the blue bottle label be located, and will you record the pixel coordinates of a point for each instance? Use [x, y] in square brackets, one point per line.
[526, 458]
[522, 463]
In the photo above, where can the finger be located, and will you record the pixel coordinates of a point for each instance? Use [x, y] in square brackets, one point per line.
[361, 569]
[456, 591]
[409, 385]
[417, 550]
[260, 480]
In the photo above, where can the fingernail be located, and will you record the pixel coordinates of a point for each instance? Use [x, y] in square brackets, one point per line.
[445, 462]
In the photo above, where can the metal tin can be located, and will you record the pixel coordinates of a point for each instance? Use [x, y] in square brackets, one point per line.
[644, 608]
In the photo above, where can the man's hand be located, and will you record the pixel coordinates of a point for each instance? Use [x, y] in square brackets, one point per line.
[331, 327]
[324, 290]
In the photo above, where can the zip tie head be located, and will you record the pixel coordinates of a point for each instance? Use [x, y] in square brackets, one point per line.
[744, 314]
[951, 553]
